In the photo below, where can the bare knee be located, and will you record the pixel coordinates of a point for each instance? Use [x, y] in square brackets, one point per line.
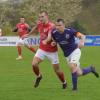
[36, 61]
[79, 71]
[56, 68]
[73, 67]
[19, 44]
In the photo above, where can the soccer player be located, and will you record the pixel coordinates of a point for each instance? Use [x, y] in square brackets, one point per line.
[22, 28]
[65, 37]
[1, 32]
[44, 27]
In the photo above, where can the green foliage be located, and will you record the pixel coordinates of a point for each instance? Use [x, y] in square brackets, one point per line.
[7, 29]
[77, 25]
[67, 9]
[85, 14]
[90, 17]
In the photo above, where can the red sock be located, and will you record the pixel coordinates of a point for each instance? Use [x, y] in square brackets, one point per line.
[32, 49]
[36, 70]
[19, 50]
[61, 76]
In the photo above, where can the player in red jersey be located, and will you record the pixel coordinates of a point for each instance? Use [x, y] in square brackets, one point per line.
[44, 27]
[22, 28]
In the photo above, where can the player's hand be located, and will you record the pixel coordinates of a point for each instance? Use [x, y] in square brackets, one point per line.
[44, 42]
[53, 43]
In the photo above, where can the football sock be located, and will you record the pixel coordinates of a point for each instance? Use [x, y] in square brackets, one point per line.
[61, 76]
[86, 70]
[36, 70]
[19, 50]
[32, 49]
[74, 80]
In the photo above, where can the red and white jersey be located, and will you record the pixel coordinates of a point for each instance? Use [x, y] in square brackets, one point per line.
[44, 29]
[22, 29]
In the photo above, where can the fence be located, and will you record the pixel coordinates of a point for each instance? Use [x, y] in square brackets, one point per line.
[12, 40]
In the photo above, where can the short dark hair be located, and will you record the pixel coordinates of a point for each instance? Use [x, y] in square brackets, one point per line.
[22, 17]
[60, 20]
[44, 12]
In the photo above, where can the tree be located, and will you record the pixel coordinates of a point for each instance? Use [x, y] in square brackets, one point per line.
[13, 9]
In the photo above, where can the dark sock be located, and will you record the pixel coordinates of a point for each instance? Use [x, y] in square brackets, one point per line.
[74, 80]
[86, 70]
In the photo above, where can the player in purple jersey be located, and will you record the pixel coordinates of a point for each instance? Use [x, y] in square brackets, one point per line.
[65, 37]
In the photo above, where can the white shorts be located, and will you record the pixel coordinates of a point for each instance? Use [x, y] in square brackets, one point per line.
[23, 41]
[74, 57]
[52, 56]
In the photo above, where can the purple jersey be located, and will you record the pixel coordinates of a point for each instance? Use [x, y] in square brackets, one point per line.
[66, 40]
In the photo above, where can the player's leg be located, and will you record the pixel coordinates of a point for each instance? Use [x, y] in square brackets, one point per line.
[19, 44]
[73, 60]
[29, 46]
[60, 75]
[53, 57]
[73, 68]
[39, 56]
[87, 70]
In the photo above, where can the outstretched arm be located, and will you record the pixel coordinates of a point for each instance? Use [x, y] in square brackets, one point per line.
[15, 29]
[32, 31]
[82, 39]
[48, 39]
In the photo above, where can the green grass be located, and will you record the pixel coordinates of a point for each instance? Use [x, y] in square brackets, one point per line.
[16, 77]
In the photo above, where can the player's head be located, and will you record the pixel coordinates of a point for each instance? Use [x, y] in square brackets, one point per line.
[60, 25]
[43, 16]
[22, 19]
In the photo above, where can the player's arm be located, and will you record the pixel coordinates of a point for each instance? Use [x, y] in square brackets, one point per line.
[82, 39]
[29, 29]
[53, 43]
[30, 33]
[48, 39]
[15, 29]
[33, 30]
[1, 33]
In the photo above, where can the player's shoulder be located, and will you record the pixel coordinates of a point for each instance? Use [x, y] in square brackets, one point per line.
[18, 24]
[68, 28]
[54, 31]
[71, 30]
[26, 24]
[51, 24]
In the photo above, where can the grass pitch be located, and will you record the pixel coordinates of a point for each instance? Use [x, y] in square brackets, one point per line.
[16, 77]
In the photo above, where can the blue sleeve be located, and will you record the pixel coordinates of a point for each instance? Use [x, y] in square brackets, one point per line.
[53, 33]
[72, 31]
